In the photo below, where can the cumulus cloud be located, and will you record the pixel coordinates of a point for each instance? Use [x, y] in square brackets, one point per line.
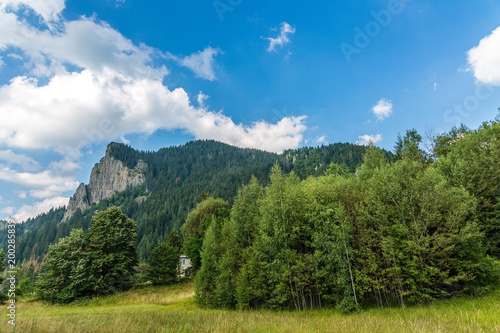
[201, 63]
[382, 109]
[74, 110]
[484, 59]
[83, 43]
[26, 162]
[48, 10]
[27, 211]
[8, 210]
[44, 183]
[282, 39]
[365, 140]
[116, 91]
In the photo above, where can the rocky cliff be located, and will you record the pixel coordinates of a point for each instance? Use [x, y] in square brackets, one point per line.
[107, 178]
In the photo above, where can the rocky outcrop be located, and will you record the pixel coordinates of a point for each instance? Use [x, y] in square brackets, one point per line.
[107, 178]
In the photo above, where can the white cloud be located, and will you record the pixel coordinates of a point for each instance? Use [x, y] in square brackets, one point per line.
[64, 166]
[383, 109]
[288, 132]
[84, 43]
[201, 63]
[44, 184]
[366, 139]
[282, 39]
[435, 86]
[8, 210]
[202, 98]
[22, 195]
[49, 10]
[27, 211]
[77, 109]
[484, 59]
[116, 91]
[321, 139]
[14, 56]
[1, 198]
[1, 63]
[26, 162]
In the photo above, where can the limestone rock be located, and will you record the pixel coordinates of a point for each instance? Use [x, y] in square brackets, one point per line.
[107, 178]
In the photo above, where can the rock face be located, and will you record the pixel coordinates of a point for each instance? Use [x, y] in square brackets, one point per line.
[107, 178]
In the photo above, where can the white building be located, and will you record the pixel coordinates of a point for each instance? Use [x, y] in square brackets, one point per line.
[185, 266]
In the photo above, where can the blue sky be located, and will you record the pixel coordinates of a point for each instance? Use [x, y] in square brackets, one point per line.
[75, 75]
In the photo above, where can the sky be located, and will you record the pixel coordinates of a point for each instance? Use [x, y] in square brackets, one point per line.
[76, 75]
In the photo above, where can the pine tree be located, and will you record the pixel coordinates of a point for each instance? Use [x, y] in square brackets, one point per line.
[163, 264]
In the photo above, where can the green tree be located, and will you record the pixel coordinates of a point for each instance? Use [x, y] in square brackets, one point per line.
[163, 264]
[374, 159]
[421, 243]
[409, 147]
[205, 279]
[194, 226]
[111, 244]
[58, 282]
[99, 262]
[174, 241]
[197, 223]
[472, 161]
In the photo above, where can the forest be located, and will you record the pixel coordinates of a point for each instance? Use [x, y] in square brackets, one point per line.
[421, 228]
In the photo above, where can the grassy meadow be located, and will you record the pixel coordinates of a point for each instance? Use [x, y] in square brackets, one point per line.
[172, 309]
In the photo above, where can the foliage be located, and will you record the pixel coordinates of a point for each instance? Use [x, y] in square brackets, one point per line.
[472, 161]
[401, 233]
[194, 226]
[163, 264]
[99, 262]
[409, 147]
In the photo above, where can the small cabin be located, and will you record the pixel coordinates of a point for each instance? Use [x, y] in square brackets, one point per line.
[185, 266]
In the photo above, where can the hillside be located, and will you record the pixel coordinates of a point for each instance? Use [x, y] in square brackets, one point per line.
[158, 189]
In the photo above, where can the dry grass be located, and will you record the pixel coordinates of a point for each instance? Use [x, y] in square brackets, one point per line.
[171, 309]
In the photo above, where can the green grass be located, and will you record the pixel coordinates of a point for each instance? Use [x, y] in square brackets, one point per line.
[171, 309]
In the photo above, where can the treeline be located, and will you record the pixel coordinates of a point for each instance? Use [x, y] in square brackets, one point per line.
[421, 228]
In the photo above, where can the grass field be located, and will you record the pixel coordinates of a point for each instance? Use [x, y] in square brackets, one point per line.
[171, 309]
